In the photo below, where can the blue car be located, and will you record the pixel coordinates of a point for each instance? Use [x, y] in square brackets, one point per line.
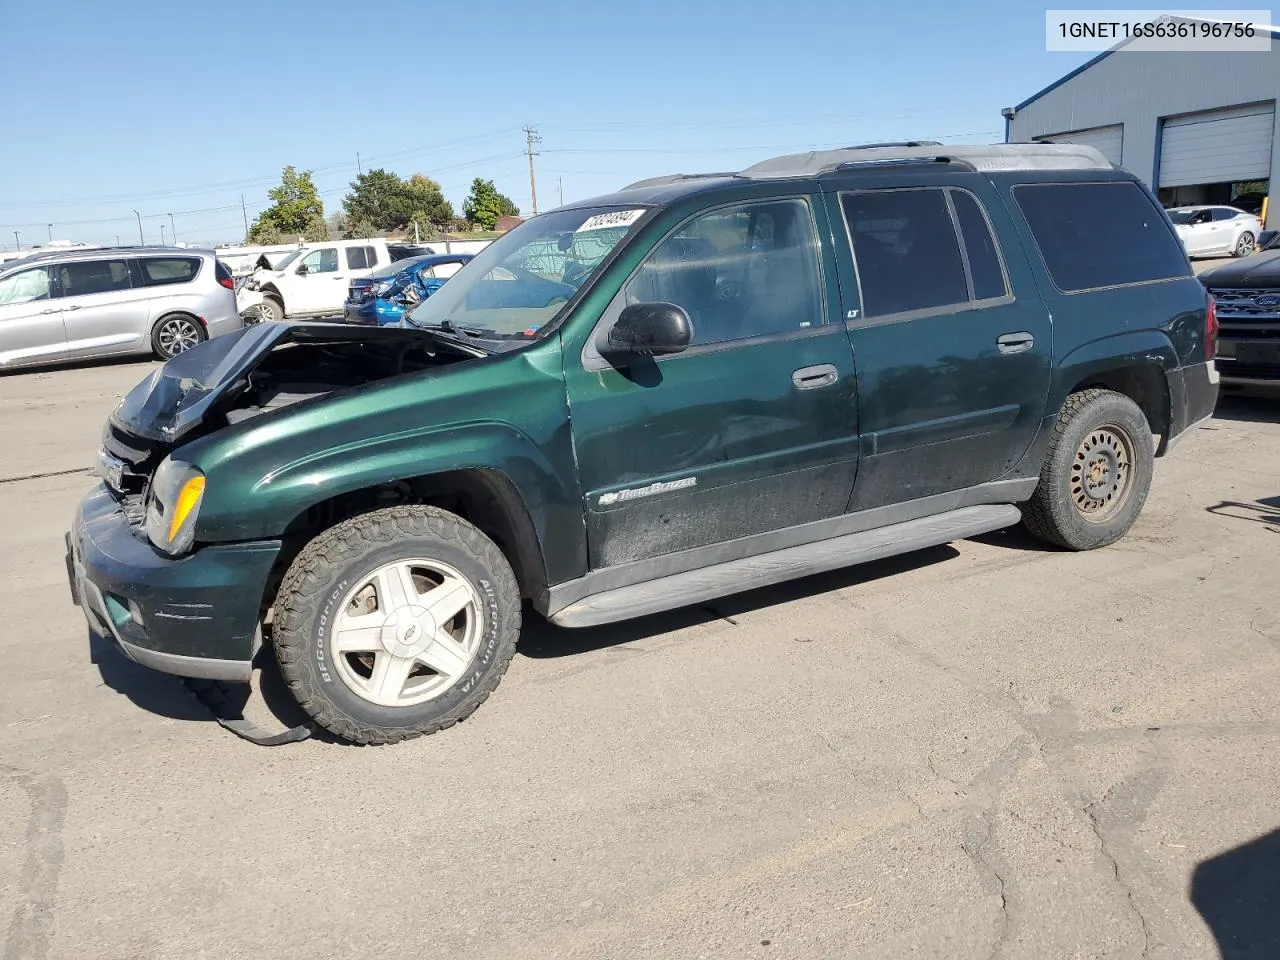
[375, 299]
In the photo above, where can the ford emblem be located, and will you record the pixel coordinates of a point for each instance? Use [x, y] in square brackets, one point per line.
[1269, 300]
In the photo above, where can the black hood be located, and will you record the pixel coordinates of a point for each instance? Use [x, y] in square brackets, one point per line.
[177, 397]
[1260, 270]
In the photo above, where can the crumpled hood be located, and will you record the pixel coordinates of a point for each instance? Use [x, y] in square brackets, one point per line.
[1259, 270]
[177, 397]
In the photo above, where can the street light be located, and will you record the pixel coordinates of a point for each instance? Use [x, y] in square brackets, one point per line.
[162, 234]
[51, 233]
[173, 231]
[141, 240]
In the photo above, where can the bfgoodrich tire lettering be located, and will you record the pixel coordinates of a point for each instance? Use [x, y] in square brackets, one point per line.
[315, 594]
[1096, 476]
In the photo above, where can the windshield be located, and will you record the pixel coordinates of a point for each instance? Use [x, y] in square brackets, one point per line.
[391, 269]
[521, 281]
[1181, 216]
[294, 255]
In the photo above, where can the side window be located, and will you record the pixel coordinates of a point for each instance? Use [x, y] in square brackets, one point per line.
[1102, 234]
[1222, 213]
[356, 259]
[906, 249]
[157, 271]
[84, 277]
[980, 246]
[444, 270]
[1202, 216]
[744, 271]
[25, 286]
[370, 256]
[322, 261]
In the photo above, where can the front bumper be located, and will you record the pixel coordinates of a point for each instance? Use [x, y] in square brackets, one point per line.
[195, 616]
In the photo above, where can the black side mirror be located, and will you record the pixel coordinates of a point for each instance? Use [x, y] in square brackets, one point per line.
[302, 270]
[650, 330]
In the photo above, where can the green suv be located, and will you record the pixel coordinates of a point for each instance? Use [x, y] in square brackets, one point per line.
[692, 387]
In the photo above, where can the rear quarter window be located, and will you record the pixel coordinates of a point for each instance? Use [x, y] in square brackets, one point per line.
[159, 271]
[1094, 235]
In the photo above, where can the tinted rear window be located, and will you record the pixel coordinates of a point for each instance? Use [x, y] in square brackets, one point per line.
[984, 260]
[1100, 234]
[157, 271]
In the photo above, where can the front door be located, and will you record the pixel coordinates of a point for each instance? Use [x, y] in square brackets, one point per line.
[104, 312]
[320, 284]
[951, 340]
[754, 427]
[31, 329]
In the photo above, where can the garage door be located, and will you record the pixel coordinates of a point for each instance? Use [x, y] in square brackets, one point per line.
[1221, 146]
[1108, 141]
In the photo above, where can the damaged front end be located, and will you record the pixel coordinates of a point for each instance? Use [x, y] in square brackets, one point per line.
[257, 370]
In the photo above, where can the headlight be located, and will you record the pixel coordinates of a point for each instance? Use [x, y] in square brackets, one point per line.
[378, 289]
[176, 492]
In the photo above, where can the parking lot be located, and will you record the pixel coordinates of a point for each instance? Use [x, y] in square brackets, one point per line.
[984, 749]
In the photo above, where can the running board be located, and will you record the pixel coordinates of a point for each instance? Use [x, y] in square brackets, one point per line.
[766, 569]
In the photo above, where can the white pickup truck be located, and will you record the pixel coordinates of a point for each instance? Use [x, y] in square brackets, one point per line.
[312, 281]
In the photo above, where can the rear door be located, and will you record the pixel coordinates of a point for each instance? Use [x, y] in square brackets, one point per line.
[754, 427]
[103, 310]
[31, 329]
[951, 341]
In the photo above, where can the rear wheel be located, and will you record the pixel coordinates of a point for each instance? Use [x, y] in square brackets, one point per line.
[1095, 479]
[396, 624]
[175, 334]
[1245, 245]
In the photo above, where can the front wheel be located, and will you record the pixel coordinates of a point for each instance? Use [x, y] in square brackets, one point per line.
[176, 334]
[1245, 245]
[1095, 479]
[396, 624]
[270, 309]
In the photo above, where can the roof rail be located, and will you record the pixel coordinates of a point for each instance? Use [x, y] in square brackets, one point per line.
[895, 143]
[675, 178]
[985, 157]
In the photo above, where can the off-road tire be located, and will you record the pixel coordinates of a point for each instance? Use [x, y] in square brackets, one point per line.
[316, 582]
[271, 308]
[1051, 514]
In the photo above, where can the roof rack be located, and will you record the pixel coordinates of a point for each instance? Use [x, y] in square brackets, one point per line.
[986, 157]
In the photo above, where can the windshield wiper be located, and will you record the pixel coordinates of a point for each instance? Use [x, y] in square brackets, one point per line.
[447, 326]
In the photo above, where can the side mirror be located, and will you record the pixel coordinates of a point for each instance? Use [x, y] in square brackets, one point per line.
[302, 270]
[650, 330]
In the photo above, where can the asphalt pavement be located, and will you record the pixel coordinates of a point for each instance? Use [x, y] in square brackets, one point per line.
[988, 749]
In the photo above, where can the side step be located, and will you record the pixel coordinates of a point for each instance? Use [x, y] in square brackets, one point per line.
[750, 573]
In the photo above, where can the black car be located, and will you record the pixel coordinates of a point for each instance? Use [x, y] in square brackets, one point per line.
[1246, 294]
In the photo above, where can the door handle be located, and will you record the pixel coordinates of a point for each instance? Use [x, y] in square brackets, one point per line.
[74, 306]
[810, 378]
[1015, 342]
[48, 311]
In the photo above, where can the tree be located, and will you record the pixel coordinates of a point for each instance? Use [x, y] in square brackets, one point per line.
[358, 227]
[484, 205]
[336, 223]
[382, 199]
[297, 211]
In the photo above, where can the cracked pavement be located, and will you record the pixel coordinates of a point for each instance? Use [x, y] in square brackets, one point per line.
[984, 750]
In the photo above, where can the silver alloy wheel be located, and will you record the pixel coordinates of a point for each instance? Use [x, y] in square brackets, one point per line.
[177, 335]
[406, 633]
[270, 310]
[1244, 246]
[1100, 473]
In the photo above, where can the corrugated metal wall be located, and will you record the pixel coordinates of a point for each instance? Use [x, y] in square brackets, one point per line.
[1138, 90]
[1109, 141]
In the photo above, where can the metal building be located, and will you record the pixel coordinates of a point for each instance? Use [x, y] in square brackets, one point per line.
[1196, 127]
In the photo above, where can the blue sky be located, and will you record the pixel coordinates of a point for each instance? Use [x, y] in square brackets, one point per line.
[180, 108]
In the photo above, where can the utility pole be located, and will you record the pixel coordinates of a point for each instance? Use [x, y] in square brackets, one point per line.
[530, 138]
[416, 238]
[117, 239]
[562, 191]
[17, 241]
[173, 231]
[141, 239]
[359, 169]
[244, 213]
[51, 233]
[162, 234]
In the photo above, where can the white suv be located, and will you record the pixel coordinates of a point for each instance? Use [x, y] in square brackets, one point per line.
[312, 281]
